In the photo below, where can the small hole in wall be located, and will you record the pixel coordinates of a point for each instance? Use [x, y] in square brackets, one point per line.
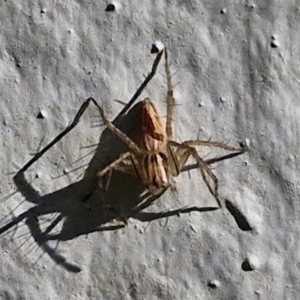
[114, 6]
[274, 42]
[42, 114]
[248, 265]
[156, 47]
[110, 7]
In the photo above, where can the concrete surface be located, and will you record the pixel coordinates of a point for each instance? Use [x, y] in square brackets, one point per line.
[236, 76]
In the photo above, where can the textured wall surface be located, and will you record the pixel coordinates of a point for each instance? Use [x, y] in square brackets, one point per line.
[235, 67]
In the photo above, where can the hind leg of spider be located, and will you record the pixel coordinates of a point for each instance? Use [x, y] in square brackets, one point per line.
[85, 105]
[128, 141]
[108, 170]
[113, 166]
[204, 169]
[183, 153]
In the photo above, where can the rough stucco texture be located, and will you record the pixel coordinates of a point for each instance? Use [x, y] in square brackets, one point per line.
[235, 67]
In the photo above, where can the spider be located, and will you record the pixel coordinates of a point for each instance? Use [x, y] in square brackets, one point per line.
[155, 158]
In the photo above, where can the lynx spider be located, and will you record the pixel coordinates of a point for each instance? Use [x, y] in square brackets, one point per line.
[155, 159]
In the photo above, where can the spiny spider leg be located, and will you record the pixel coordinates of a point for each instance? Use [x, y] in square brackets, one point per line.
[170, 99]
[83, 108]
[109, 168]
[185, 152]
[121, 158]
[130, 143]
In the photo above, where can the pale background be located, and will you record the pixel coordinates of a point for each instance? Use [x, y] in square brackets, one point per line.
[230, 85]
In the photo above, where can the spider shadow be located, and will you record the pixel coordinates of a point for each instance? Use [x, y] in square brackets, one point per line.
[100, 210]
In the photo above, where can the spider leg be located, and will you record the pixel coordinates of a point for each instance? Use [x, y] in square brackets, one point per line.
[82, 109]
[170, 99]
[109, 168]
[183, 153]
[177, 160]
[111, 126]
[128, 141]
[116, 165]
[204, 167]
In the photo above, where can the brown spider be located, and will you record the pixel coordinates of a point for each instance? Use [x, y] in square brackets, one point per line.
[155, 158]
